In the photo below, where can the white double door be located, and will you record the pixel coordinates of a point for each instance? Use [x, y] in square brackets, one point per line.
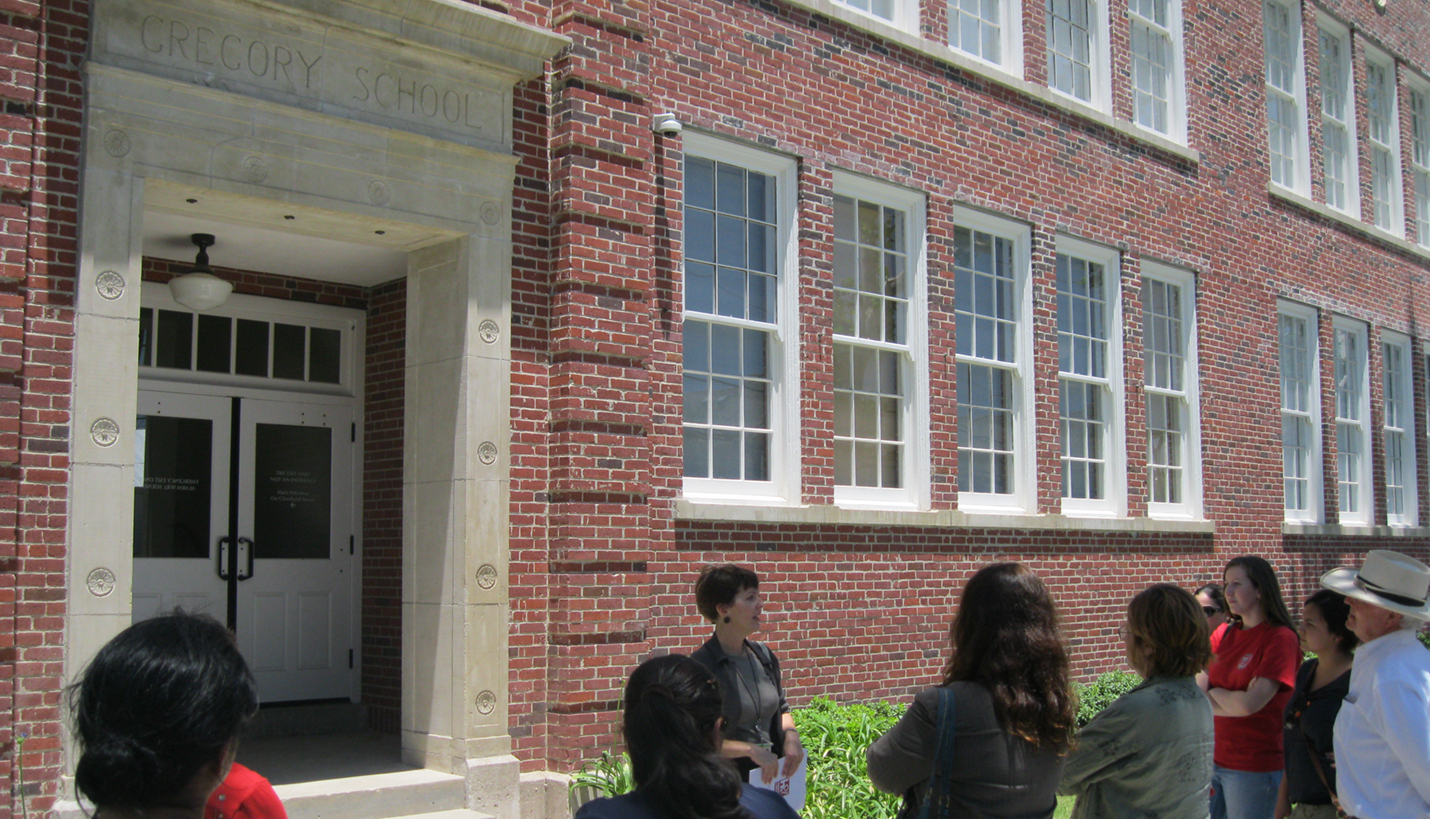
[244, 510]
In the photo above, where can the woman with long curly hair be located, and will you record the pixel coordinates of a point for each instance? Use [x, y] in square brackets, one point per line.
[672, 731]
[1013, 713]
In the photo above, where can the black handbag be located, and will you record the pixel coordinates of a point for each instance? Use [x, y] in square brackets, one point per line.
[936, 799]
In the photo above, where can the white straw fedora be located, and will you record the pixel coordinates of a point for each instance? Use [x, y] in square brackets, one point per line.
[1387, 579]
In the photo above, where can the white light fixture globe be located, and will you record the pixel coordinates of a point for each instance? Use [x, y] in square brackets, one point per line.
[200, 289]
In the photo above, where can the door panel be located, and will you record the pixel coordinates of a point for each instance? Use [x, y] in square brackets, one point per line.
[295, 474]
[181, 484]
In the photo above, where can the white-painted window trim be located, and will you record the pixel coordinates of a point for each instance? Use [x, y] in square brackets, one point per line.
[1177, 73]
[914, 494]
[1343, 121]
[904, 14]
[1398, 425]
[1287, 89]
[1301, 405]
[1420, 156]
[1100, 79]
[1023, 498]
[1113, 443]
[1190, 507]
[1384, 140]
[784, 486]
[1010, 39]
[1352, 396]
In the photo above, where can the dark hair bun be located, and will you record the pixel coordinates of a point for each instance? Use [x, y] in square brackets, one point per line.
[119, 771]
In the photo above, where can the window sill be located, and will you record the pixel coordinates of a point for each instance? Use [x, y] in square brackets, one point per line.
[1349, 530]
[686, 510]
[1346, 220]
[945, 54]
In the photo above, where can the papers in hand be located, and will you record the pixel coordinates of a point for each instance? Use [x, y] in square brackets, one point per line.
[791, 787]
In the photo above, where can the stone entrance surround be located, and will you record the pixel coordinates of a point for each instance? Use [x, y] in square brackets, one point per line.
[358, 116]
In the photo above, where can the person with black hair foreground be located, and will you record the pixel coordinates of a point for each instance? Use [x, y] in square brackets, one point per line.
[759, 730]
[672, 732]
[157, 714]
[1013, 710]
[1382, 733]
[1149, 753]
[1308, 789]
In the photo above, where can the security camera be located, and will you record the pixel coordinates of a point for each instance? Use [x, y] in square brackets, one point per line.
[666, 124]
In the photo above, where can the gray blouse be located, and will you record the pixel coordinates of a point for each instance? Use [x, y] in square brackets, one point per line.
[994, 774]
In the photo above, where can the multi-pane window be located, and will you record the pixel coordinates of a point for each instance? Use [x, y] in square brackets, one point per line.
[733, 335]
[1398, 433]
[1155, 64]
[883, 9]
[873, 357]
[1088, 376]
[1169, 373]
[991, 308]
[1352, 422]
[1420, 161]
[1300, 413]
[1285, 92]
[976, 27]
[1073, 39]
[1338, 153]
[1384, 132]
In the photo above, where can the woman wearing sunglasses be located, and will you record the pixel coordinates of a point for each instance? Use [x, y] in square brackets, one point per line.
[1308, 788]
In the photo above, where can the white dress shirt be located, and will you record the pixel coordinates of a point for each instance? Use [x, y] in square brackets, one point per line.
[1382, 734]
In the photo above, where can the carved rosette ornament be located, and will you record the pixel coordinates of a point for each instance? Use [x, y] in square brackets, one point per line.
[486, 703]
[378, 192]
[487, 576]
[109, 285]
[491, 212]
[100, 582]
[487, 452]
[488, 331]
[116, 143]
[104, 432]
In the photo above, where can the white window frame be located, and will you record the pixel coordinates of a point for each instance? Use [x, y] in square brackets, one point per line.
[1346, 123]
[1420, 158]
[1114, 463]
[914, 494]
[1310, 414]
[1358, 425]
[1397, 374]
[1099, 79]
[1023, 498]
[783, 488]
[1190, 507]
[1010, 36]
[1176, 72]
[1385, 151]
[1295, 96]
[905, 13]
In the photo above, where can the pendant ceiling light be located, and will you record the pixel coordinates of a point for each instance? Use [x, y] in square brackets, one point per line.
[200, 289]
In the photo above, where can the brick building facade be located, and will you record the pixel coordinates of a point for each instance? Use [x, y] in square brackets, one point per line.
[1121, 291]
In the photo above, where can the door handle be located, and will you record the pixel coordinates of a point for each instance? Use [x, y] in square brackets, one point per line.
[223, 556]
[245, 553]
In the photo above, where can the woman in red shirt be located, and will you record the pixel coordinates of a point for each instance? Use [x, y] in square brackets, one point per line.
[1250, 678]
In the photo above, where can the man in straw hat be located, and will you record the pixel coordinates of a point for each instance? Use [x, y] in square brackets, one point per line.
[1382, 734]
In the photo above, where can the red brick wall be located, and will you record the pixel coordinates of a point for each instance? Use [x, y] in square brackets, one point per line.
[859, 611]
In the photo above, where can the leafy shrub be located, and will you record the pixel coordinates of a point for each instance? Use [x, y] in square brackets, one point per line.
[1100, 694]
[835, 737]
[1424, 638]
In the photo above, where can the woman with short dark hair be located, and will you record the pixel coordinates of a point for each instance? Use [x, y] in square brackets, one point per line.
[1149, 753]
[158, 712]
[671, 724]
[1013, 707]
[759, 730]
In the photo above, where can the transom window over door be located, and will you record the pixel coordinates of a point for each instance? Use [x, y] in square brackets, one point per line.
[878, 343]
[992, 314]
[737, 220]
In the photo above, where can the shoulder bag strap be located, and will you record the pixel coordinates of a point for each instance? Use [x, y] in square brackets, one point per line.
[935, 804]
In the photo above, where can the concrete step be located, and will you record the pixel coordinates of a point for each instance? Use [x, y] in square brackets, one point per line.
[413, 792]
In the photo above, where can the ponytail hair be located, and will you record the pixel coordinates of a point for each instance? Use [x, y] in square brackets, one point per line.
[157, 704]
[672, 709]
